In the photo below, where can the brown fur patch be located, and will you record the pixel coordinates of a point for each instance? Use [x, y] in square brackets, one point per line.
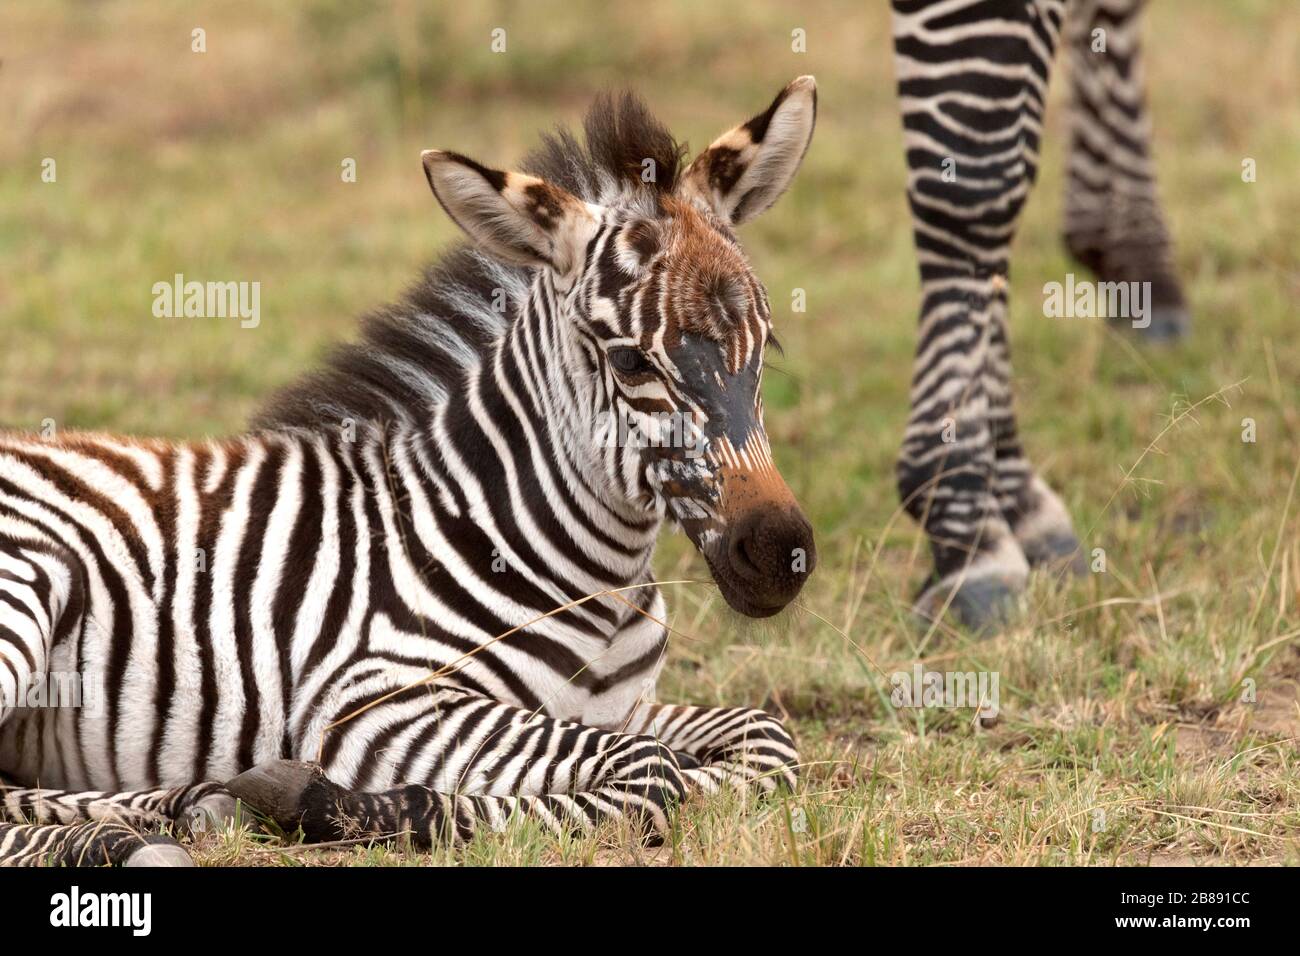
[743, 489]
[545, 204]
[704, 266]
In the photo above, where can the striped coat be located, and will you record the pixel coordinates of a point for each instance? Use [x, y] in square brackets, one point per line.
[419, 598]
[972, 84]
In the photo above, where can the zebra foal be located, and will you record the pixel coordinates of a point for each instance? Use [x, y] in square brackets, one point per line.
[444, 497]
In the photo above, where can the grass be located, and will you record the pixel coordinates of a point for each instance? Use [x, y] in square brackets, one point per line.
[1120, 693]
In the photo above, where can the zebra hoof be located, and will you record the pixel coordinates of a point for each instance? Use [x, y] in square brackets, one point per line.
[290, 792]
[1168, 324]
[982, 605]
[159, 851]
[1059, 553]
[212, 814]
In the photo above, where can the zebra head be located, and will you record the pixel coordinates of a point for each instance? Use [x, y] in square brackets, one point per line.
[664, 325]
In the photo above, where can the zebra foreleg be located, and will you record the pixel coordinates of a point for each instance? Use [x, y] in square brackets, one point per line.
[41, 826]
[36, 831]
[298, 795]
[451, 777]
[961, 472]
[86, 844]
[196, 808]
[742, 747]
[947, 470]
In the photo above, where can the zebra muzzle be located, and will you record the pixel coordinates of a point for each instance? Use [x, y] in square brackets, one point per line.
[764, 551]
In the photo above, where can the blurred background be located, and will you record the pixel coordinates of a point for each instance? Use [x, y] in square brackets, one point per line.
[225, 165]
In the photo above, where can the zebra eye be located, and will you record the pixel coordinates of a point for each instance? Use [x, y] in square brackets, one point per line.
[629, 361]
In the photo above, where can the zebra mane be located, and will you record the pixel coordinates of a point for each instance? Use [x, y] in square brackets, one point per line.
[411, 354]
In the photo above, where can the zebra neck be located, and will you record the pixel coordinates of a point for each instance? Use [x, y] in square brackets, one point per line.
[517, 447]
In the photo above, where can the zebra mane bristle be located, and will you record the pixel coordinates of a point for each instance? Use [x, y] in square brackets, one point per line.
[621, 136]
[411, 353]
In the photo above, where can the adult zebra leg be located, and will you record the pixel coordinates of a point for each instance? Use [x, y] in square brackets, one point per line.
[452, 763]
[1114, 224]
[972, 82]
[722, 746]
[946, 468]
[1033, 511]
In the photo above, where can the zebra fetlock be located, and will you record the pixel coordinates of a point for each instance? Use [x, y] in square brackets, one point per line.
[1119, 261]
[982, 594]
[1044, 531]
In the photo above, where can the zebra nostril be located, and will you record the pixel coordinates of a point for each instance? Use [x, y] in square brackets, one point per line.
[743, 549]
[772, 553]
[743, 559]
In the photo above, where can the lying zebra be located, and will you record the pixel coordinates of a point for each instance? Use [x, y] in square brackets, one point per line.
[368, 617]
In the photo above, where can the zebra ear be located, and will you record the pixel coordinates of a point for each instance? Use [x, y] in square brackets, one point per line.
[745, 169]
[513, 216]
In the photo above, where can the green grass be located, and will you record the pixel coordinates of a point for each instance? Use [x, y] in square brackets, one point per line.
[1120, 692]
